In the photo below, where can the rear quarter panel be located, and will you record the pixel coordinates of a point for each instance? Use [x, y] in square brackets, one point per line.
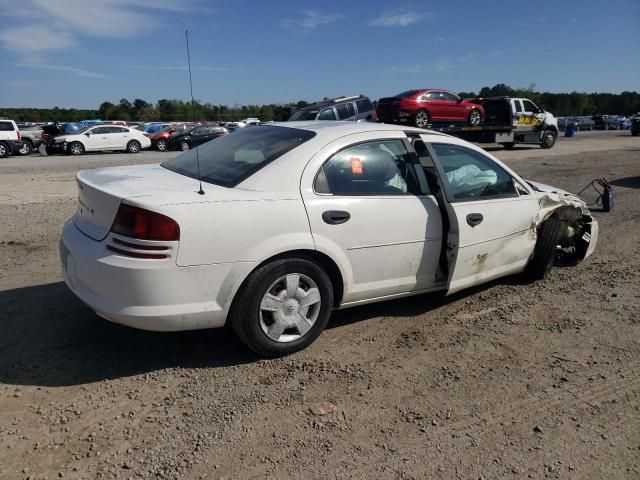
[239, 231]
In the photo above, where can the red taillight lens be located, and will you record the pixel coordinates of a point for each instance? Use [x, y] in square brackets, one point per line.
[143, 224]
[19, 135]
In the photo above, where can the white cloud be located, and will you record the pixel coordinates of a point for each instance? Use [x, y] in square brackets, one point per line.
[48, 25]
[398, 19]
[310, 21]
[62, 68]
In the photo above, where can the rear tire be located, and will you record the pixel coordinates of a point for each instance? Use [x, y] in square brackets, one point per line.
[4, 150]
[549, 235]
[184, 146]
[133, 146]
[265, 303]
[508, 145]
[75, 148]
[421, 119]
[549, 138]
[26, 148]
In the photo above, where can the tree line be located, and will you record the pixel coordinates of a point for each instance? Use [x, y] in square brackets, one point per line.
[560, 104]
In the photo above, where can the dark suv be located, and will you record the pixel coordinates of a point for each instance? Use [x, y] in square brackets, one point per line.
[351, 109]
[635, 124]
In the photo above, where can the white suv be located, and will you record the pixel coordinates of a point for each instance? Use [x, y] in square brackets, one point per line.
[10, 140]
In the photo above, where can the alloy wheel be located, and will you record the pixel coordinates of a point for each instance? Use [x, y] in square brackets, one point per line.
[422, 119]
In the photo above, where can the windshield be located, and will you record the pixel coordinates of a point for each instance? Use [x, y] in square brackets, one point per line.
[406, 94]
[230, 159]
[304, 114]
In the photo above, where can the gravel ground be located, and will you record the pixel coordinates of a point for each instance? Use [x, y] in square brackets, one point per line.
[510, 380]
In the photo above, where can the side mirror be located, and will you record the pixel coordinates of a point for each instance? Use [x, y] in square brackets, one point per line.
[88, 134]
[460, 100]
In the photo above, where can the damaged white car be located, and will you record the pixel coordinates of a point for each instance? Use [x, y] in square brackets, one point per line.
[273, 227]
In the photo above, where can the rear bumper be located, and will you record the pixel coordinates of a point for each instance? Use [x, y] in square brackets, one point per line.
[147, 294]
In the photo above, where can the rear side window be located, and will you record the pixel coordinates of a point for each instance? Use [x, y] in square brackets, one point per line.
[470, 175]
[6, 127]
[233, 158]
[371, 168]
[345, 111]
[364, 105]
[518, 106]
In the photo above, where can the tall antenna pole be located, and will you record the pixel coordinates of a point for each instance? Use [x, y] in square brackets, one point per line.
[193, 114]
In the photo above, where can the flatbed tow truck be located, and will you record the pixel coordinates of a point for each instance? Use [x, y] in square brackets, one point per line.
[507, 121]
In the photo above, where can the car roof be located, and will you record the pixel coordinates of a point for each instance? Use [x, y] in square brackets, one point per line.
[338, 128]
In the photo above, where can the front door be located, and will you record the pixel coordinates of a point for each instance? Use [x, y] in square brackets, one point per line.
[367, 205]
[98, 139]
[492, 216]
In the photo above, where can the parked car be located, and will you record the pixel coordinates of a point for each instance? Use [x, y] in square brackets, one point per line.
[586, 123]
[429, 105]
[100, 138]
[357, 108]
[295, 219]
[152, 128]
[31, 138]
[195, 136]
[160, 140]
[635, 124]
[251, 121]
[605, 122]
[10, 138]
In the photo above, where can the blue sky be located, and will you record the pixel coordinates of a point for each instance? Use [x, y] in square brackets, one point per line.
[78, 53]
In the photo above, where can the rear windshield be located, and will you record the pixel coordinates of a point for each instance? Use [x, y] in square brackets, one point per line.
[6, 127]
[304, 114]
[406, 94]
[229, 160]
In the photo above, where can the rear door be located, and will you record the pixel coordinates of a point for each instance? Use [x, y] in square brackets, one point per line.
[438, 106]
[492, 216]
[346, 111]
[118, 138]
[368, 208]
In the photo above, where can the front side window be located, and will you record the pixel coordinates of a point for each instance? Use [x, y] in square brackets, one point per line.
[450, 96]
[371, 168]
[233, 158]
[470, 175]
[529, 106]
[101, 130]
[327, 114]
[304, 114]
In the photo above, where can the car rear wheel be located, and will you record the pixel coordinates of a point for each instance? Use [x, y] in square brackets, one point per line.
[133, 146]
[161, 145]
[548, 139]
[475, 117]
[544, 253]
[184, 146]
[421, 119]
[282, 307]
[508, 145]
[25, 148]
[75, 148]
[4, 151]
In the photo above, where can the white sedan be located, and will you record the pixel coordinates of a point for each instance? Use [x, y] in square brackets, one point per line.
[102, 137]
[274, 226]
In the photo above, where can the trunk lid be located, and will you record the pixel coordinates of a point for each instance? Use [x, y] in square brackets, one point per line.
[101, 191]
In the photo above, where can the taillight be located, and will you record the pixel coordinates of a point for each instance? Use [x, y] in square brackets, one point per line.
[19, 135]
[135, 222]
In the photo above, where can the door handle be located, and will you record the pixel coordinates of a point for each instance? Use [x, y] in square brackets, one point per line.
[335, 217]
[474, 219]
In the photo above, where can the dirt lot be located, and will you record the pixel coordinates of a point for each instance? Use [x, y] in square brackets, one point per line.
[506, 381]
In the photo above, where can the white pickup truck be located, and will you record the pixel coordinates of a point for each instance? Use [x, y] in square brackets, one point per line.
[509, 121]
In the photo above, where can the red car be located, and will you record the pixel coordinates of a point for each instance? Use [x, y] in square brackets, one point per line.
[429, 105]
[160, 140]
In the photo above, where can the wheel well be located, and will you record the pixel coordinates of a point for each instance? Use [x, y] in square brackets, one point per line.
[321, 259]
[28, 140]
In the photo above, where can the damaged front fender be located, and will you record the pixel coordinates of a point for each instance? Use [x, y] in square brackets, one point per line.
[581, 233]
